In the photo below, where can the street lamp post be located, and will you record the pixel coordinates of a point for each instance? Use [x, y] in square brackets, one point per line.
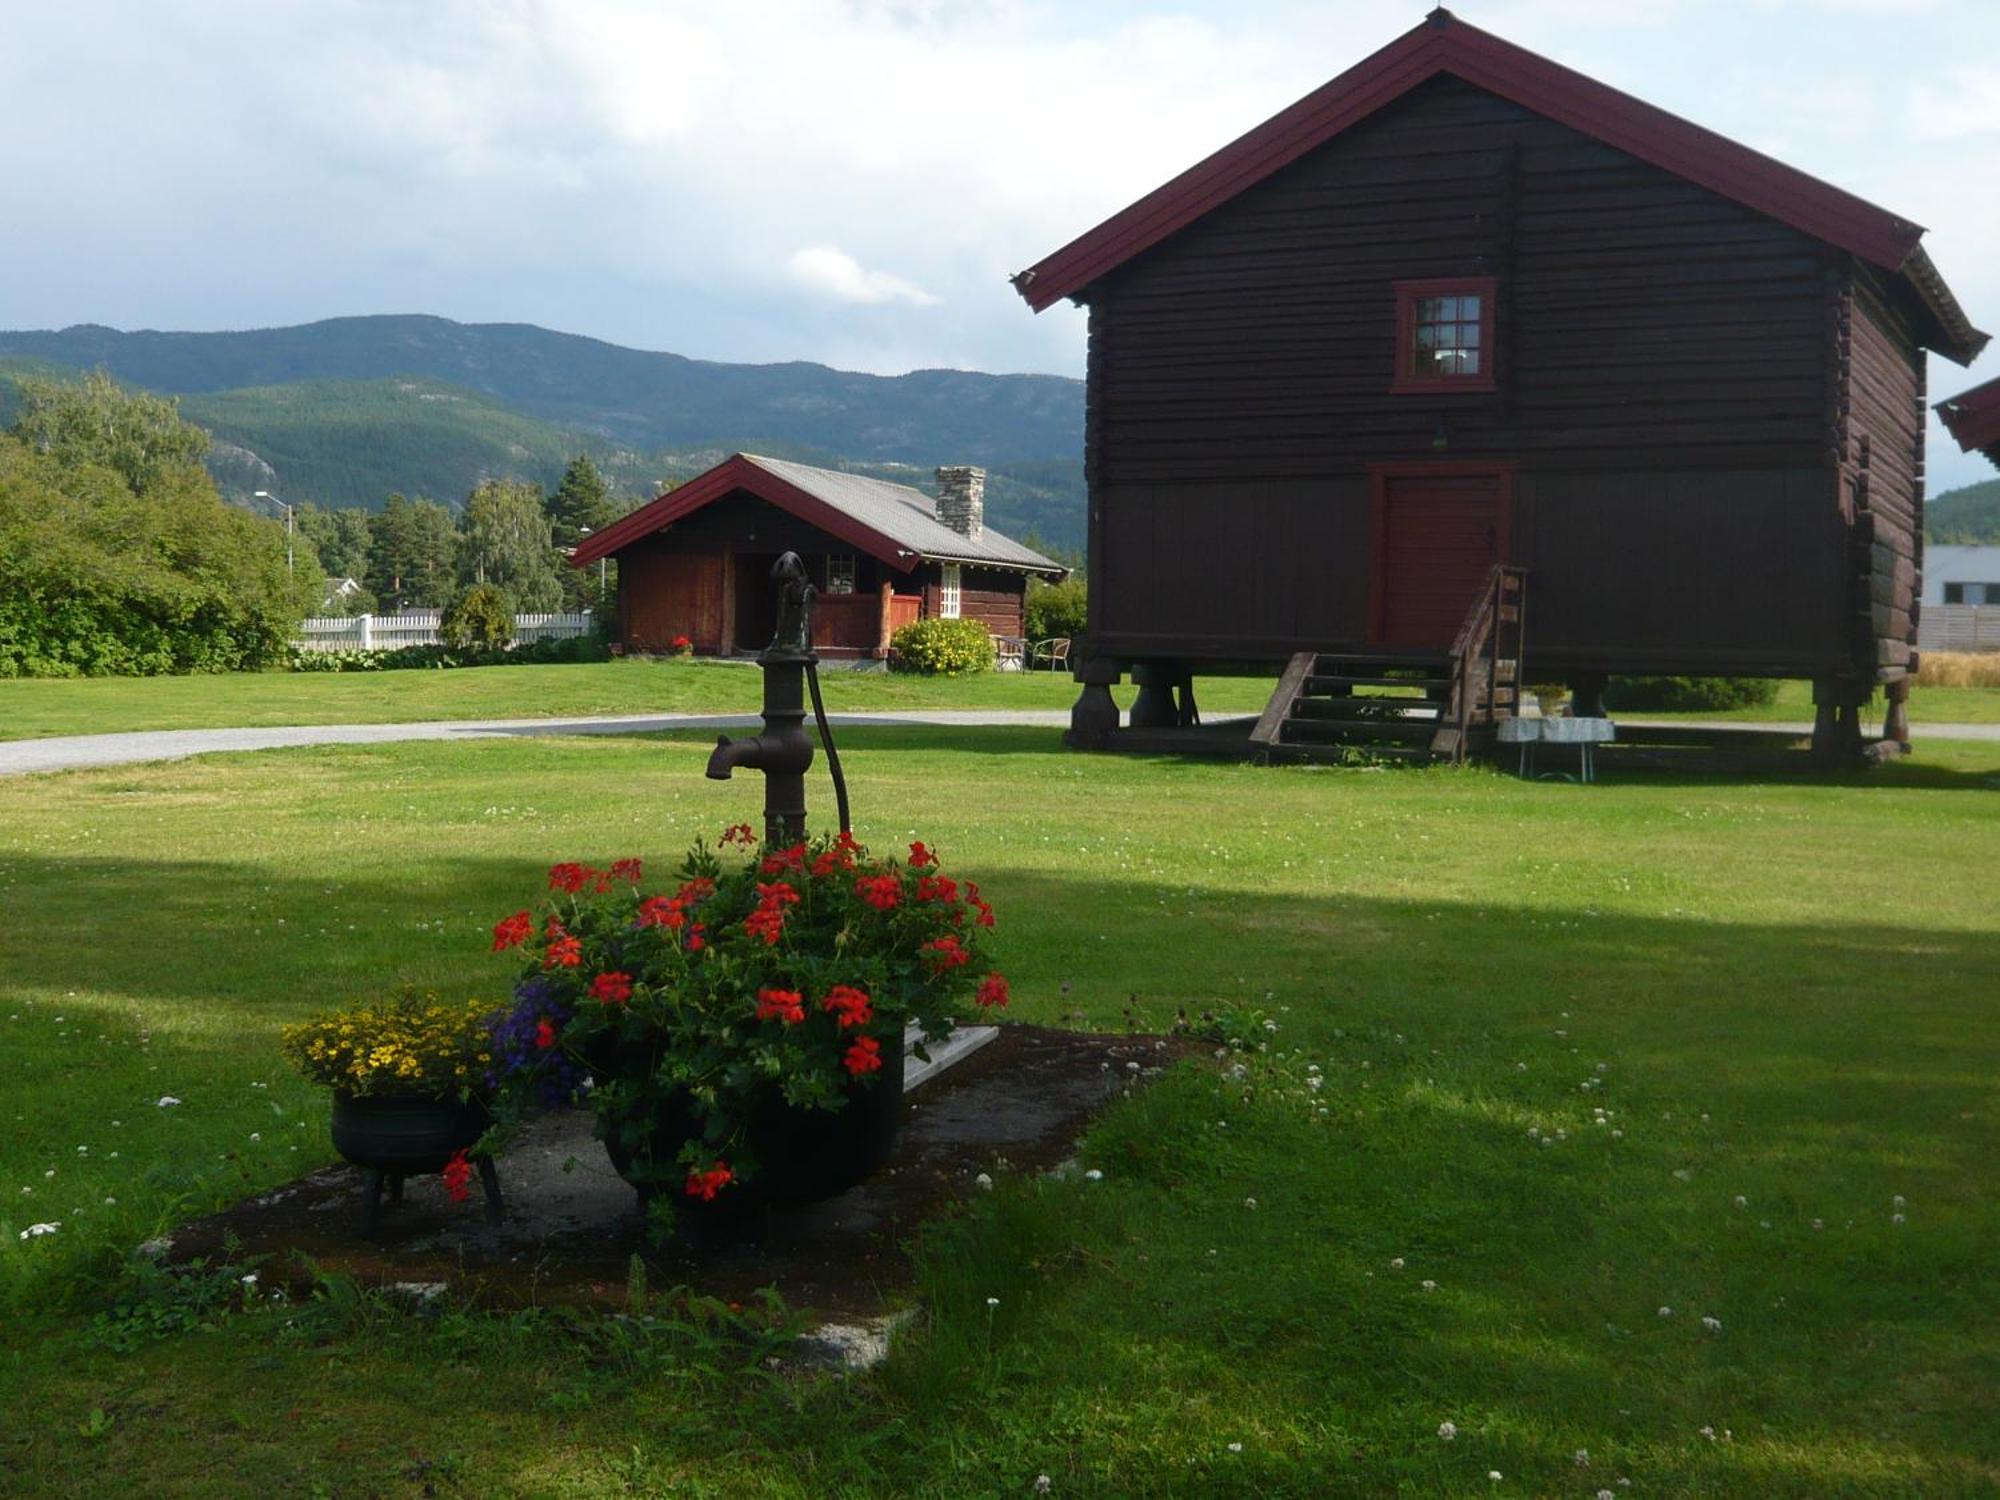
[267, 495]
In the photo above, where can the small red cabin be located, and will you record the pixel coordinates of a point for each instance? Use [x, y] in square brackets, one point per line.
[696, 562]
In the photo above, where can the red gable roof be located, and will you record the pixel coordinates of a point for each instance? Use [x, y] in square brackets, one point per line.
[1443, 44]
[1973, 418]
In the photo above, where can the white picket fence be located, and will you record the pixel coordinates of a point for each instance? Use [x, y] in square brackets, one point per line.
[1959, 627]
[419, 627]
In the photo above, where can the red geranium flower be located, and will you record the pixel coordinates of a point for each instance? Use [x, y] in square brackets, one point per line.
[696, 942]
[627, 870]
[865, 1056]
[781, 1005]
[456, 1174]
[613, 989]
[680, 643]
[936, 888]
[992, 990]
[849, 1004]
[545, 1034]
[882, 892]
[660, 911]
[561, 951]
[511, 932]
[738, 833]
[946, 952]
[973, 900]
[921, 855]
[705, 1185]
[571, 877]
[780, 860]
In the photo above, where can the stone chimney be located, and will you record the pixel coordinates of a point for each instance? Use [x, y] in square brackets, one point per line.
[961, 499]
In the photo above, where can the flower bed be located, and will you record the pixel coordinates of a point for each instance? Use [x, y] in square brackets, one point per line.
[774, 980]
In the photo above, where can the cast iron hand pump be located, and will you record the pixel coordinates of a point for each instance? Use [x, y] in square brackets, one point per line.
[784, 751]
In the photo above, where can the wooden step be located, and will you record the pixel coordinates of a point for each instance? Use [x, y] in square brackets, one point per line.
[1334, 755]
[1366, 710]
[1356, 732]
[1332, 681]
[1431, 663]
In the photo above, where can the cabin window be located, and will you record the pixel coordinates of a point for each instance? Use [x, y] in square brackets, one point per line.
[948, 592]
[840, 572]
[1954, 593]
[1444, 334]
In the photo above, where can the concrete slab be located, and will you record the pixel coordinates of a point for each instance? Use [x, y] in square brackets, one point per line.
[1023, 1095]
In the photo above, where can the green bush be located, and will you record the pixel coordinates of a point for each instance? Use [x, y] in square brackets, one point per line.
[481, 616]
[1688, 694]
[1056, 609]
[942, 648]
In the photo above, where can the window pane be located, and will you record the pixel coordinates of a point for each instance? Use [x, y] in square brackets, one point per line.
[1468, 308]
[1427, 310]
[1427, 336]
[1954, 593]
[1468, 362]
[1468, 335]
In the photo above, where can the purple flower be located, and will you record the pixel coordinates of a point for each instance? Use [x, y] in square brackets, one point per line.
[518, 1057]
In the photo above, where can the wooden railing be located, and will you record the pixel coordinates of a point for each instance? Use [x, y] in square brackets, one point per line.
[1485, 661]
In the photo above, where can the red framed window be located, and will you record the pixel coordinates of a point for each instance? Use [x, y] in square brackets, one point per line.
[1444, 334]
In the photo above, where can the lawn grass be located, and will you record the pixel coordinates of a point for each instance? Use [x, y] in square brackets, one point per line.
[34, 708]
[105, 705]
[1779, 991]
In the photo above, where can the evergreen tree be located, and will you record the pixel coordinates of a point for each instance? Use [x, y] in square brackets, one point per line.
[580, 503]
[342, 538]
[412, 554]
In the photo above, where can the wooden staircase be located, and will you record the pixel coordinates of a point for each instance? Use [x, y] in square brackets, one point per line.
[1400, 705]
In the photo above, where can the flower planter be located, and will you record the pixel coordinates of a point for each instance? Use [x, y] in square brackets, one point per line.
[391, 1137]
[804, 1155]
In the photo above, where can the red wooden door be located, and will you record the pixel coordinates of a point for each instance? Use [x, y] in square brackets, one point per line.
[1437, 534]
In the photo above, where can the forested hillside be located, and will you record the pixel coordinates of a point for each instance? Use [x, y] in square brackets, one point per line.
[1969, 515]
[348, 411]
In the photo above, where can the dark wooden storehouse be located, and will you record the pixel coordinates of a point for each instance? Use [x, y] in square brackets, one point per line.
[1465, 341]
[1973, 419]
[696, 562]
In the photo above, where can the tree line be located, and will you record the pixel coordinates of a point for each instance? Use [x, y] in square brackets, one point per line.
[415, 553]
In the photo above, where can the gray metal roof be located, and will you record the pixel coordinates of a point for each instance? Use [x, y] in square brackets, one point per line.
[906, 516]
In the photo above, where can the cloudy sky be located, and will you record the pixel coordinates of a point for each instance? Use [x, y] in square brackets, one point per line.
[842, 180]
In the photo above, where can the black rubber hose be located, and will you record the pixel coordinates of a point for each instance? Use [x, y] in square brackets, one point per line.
[826, 739]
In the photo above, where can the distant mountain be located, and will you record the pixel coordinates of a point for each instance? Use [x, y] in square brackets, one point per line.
[643, 399]
[344, 411]
[1970, 514]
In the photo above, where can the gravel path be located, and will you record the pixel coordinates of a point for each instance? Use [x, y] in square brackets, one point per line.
[71, 752]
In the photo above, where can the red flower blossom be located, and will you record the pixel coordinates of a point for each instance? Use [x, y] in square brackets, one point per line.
[738, 833]
[849, 1004]
[780, 860]
[781, 1005]
[838, 859]
[921, 855]
[695, 891]
[627, 870]
[776, 894]
[680, 643]
[865, 1056]
[696, 942]
[882, 892]
[946, 952]
[545, 1034]
[936, 888]
[993, 990]
[972, 899]
[560, 951]
[705, 1185]
[456, 1174]
[511, 932]
[660, 911]
[571, 877]
[613, 989]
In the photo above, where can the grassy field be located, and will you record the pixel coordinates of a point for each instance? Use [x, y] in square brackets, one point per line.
[104, 705]
[1779, 996]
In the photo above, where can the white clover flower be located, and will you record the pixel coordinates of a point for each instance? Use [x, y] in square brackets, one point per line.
[1741, 1201]
[1895, 1218]
[1708, 1432]
[110, 1202]
[1666, 1312]
[992, 1301]
[36, 1231]
[1396, 1264]
[1712, 1325]
[1093, 1175]
[1249, 1202]
[1043, 1484]
[250, 1280]
[1897, 1200]
[1235, 1447]
[1494, 1475]
[1606, 1495]
[255, 1136]
[1430, 1286]
[167, 1101]
[1583, 1458]
[1447, 1430]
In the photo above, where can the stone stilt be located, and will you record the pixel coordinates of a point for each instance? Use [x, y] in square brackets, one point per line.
[1095, 713]
[1896, 719]
[1154, 707]
[1586, 695]
[1836, 742]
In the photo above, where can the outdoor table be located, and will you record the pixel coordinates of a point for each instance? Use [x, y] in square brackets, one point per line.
[1585, 734]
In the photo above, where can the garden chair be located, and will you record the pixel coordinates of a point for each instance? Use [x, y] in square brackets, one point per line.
[1052, 653]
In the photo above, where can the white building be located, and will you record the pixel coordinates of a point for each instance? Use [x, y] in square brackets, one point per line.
[1961, 575]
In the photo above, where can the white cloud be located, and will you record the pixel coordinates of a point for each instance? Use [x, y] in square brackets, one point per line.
[832, 272]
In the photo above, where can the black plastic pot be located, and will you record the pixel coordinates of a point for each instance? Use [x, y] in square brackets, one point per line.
[803, 1155]
[391, 1137]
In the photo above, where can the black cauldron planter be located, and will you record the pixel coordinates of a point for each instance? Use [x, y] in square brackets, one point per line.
[392, 1137]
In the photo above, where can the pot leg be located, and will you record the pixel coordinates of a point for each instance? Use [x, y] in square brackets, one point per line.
[395, 1189]
[371, 1201]
[489, 1179]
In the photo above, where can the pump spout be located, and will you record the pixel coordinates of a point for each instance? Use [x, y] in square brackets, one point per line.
[758, 753]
